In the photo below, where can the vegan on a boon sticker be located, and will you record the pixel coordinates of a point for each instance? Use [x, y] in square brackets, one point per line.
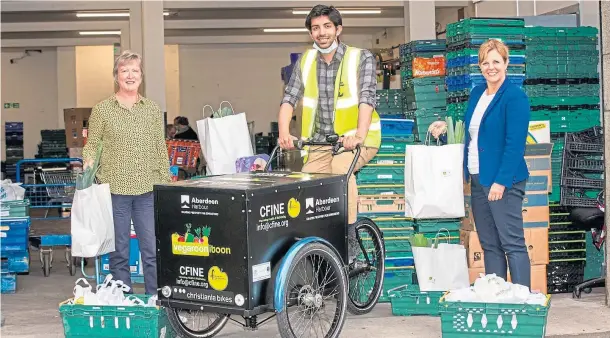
[196, 242]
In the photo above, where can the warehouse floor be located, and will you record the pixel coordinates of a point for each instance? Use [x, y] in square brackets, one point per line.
[33, 312]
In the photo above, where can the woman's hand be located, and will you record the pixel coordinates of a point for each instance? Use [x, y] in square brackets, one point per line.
[437, 129]
[495, 192]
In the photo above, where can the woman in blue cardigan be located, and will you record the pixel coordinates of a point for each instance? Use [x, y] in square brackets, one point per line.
[497, 121]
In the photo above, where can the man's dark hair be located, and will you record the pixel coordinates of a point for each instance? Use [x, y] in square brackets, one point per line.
[182, 120]
[322, 10]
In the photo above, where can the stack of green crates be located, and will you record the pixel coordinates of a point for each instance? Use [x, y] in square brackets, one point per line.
[562, 84]
[594, 266]
[463, 41]
[381, 190]
[425, 97]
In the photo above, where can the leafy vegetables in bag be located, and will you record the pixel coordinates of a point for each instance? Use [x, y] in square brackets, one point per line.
[86, 179]
[455, 133]
[419, 240]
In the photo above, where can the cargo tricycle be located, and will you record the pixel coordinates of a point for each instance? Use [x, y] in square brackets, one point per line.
[271, 243]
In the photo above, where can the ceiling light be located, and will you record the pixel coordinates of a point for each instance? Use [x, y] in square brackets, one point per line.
[344, 11]
[284, 30]
[100, 33]
[107, 14]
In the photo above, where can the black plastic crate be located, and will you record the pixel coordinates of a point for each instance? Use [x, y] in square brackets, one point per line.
[566, 235]
[575, 179]
[563, 275]
[568, 254]
[594, 134]
[584, 163]
[579, 197]
[561, 81]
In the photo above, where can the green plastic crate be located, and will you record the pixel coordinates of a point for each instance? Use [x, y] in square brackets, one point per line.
[426, 81]
[381, 174]
[386, 222]
[390, 147]
[19, 208]
[395, 277]
[561, 101]
[427, 104]
[436, 225]
[381, 189]
[388, 159]
[461, 319]
[584, 31]
[595, 259]
[408, 300]
[115, 321]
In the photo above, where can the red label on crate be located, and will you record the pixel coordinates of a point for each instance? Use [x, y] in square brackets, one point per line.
[425, 67]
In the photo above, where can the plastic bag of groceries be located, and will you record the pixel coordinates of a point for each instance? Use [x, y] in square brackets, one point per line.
[10, 191]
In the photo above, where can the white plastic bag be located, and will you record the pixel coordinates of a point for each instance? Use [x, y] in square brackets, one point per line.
[223, 140]
[441, 268]
[434, 184]
[10, 191]
[92, 224]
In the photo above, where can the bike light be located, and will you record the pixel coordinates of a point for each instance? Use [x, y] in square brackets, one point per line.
[166, 291]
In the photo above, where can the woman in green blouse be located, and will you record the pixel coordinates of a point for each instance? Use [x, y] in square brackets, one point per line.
[134, 157]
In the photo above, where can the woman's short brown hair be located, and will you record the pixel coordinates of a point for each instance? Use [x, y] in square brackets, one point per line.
[493, 44]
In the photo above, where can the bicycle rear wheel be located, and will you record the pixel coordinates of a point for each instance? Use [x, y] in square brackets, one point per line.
[366, 272]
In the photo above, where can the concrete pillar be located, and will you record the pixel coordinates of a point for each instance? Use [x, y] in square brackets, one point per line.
[420, 20]
[146, 36]
[66, 82]
[604, 32]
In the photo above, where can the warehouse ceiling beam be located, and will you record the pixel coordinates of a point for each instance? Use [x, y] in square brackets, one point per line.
[39, 6]
[275, 23]
[60, 42]
[8, 27]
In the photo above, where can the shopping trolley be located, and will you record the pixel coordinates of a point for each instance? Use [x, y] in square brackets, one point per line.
[50, 185]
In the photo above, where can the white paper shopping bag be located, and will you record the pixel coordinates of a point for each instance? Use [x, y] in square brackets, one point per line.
[92, 222]
[434, 184]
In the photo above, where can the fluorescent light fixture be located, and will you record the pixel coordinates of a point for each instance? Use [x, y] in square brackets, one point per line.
[107, 14]
[344, 11]
[284, 30]
[100, 33]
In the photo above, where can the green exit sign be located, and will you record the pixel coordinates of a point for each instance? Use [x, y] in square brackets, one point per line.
[7, 106]
[15, 105]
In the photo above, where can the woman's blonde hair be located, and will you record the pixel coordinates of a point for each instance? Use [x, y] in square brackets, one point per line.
[493, 44]
[125, 57]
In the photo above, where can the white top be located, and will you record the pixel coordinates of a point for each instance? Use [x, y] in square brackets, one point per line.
[473, 129]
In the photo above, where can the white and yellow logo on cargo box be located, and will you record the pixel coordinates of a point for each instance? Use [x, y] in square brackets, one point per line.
[195, 242]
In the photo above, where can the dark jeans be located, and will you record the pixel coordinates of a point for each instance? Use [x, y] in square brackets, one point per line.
[500, 229]
[140, 208]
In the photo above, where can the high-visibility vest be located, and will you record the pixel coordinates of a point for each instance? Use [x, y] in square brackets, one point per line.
[346, 101]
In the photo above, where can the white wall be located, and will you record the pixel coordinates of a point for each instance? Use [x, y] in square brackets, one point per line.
[543, 7]
[445, 16]
[32, 83]
[94, 80]
[172, 81]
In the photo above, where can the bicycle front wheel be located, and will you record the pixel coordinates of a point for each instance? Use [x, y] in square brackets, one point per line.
[367, 271]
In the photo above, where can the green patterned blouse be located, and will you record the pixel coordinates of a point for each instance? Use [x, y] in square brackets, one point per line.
[134, 153]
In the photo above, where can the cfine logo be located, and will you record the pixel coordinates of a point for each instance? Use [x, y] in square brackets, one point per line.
[185, 201]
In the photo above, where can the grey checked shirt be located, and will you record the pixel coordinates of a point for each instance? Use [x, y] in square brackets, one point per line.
[367, 87]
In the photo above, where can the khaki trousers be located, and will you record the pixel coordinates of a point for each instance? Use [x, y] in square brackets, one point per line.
[321, 160]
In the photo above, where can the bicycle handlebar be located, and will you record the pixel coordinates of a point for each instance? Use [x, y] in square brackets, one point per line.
[332, 141]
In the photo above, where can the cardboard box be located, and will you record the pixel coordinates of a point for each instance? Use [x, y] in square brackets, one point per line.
[537, 280]
[535, 207]
[76, 121]
[539, 132]
[538, 160]
[536, 240]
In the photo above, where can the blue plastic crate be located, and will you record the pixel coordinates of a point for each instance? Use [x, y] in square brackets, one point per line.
[468, 60]
[13, 126]
[134, 261]
[16, 261]
[396, 127]
[14, 234]
[8, 282]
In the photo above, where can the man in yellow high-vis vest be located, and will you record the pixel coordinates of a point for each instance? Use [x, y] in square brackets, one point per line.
[337, 84]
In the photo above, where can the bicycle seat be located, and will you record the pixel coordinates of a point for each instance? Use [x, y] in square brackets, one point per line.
[587, 218]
